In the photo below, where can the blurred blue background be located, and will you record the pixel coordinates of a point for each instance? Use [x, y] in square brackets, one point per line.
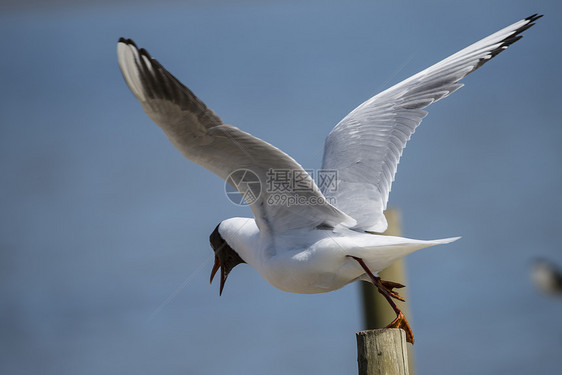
[104, 254]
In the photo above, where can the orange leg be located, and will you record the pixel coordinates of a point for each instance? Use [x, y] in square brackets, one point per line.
[386, 289]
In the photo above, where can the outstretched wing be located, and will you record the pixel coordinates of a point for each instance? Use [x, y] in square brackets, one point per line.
[202, 137]
[365, 147]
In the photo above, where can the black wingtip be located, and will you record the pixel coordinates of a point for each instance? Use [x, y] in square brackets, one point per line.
[130, 42]
[142, 51]
[145, 52]
[516, 35]
[534, 17]
[127, 41]
[512, 38]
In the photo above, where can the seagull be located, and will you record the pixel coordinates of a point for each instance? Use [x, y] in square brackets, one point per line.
[314, 239]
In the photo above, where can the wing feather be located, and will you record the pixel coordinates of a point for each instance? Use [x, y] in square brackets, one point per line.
[201, 136]
[365, 147]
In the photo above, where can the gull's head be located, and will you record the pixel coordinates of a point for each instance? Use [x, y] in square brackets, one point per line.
[225, 256]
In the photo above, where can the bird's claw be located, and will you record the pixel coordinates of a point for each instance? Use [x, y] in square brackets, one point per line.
[386, 289]
[402, 323]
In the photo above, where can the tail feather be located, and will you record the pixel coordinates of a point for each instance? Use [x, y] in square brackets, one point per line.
[390, 249]
[446, 240]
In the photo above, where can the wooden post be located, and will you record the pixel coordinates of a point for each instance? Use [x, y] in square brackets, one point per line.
[382, 352]
[377, 313]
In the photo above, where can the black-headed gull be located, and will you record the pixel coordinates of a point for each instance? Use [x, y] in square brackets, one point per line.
[309, 240]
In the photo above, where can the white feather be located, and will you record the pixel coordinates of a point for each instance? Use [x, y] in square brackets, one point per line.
[365, 147]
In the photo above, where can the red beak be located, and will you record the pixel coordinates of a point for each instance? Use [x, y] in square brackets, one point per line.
[223, 274]
[215, 268]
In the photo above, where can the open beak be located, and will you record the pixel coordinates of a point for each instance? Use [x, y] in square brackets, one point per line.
[225, 257]
[223, 273]
[215, 268]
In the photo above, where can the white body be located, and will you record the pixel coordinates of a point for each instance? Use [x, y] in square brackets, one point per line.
[318, 261]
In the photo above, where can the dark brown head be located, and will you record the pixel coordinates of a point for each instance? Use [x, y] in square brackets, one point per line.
[225, 257]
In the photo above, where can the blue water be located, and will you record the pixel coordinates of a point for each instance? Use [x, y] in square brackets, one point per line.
[104, 255]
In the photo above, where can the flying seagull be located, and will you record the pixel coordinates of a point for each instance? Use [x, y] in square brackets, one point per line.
[317, 239]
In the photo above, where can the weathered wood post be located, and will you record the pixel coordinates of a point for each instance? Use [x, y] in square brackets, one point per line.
[376, 310]
[382, 352]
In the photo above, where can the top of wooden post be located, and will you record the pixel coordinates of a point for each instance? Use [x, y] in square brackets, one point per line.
[382, 352]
